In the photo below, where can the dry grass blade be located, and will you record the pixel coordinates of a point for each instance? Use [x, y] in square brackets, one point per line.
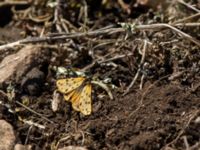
[139, 70]
[108, 31]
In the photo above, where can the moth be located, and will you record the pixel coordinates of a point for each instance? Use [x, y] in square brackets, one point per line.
[78, 91]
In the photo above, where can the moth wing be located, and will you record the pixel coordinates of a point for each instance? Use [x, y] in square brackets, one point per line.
[68, 96]
[67, 85]
[85, 102]
[75, 99]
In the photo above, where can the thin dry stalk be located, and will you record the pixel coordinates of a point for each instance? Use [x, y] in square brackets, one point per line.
[189, 6]
[10, 2]
[186, 143]
[187, 18]
[38, 114]
[107, 31]
[139, 70]
[194, 114]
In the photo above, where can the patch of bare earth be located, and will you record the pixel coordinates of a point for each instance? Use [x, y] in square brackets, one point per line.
[148, 119]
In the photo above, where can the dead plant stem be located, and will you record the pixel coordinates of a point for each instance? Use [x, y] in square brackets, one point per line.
[12, 2]
[108, 31]
[139, 70]
[34, 112]
[187, 18]
[193, 115]
[189, 6]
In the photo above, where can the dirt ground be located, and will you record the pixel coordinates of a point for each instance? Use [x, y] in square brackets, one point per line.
[152, 71]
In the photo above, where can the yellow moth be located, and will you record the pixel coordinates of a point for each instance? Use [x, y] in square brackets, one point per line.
[78, 91]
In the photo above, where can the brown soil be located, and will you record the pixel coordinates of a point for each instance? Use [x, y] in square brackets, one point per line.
[164, 114]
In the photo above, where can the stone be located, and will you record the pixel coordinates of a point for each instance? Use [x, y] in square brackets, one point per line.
[22, 147]
[7, 140]
[15, 66]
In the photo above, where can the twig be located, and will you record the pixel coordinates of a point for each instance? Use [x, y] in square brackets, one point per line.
[31, 123]
[34, 112]
[189, 6]
[186, 36]
[192, 24]
[7, 2]
[169, 42]
[57, 16]
[28, 133]
[40, 19]
[9, 107]
[108, 31]
[194, 114]
[139, 70]
[102, 85]
[186, 143]
[187, 18]
[115, 58]
[83, 137]
[68, 24]
[106, 60]
[195, 146]
[85, 8]
[195, 87]
[142, 81]
[62, 139]
[11, 45]
[64, 26]
[176, 75]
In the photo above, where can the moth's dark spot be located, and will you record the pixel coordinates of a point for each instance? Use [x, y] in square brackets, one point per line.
[87, 102]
